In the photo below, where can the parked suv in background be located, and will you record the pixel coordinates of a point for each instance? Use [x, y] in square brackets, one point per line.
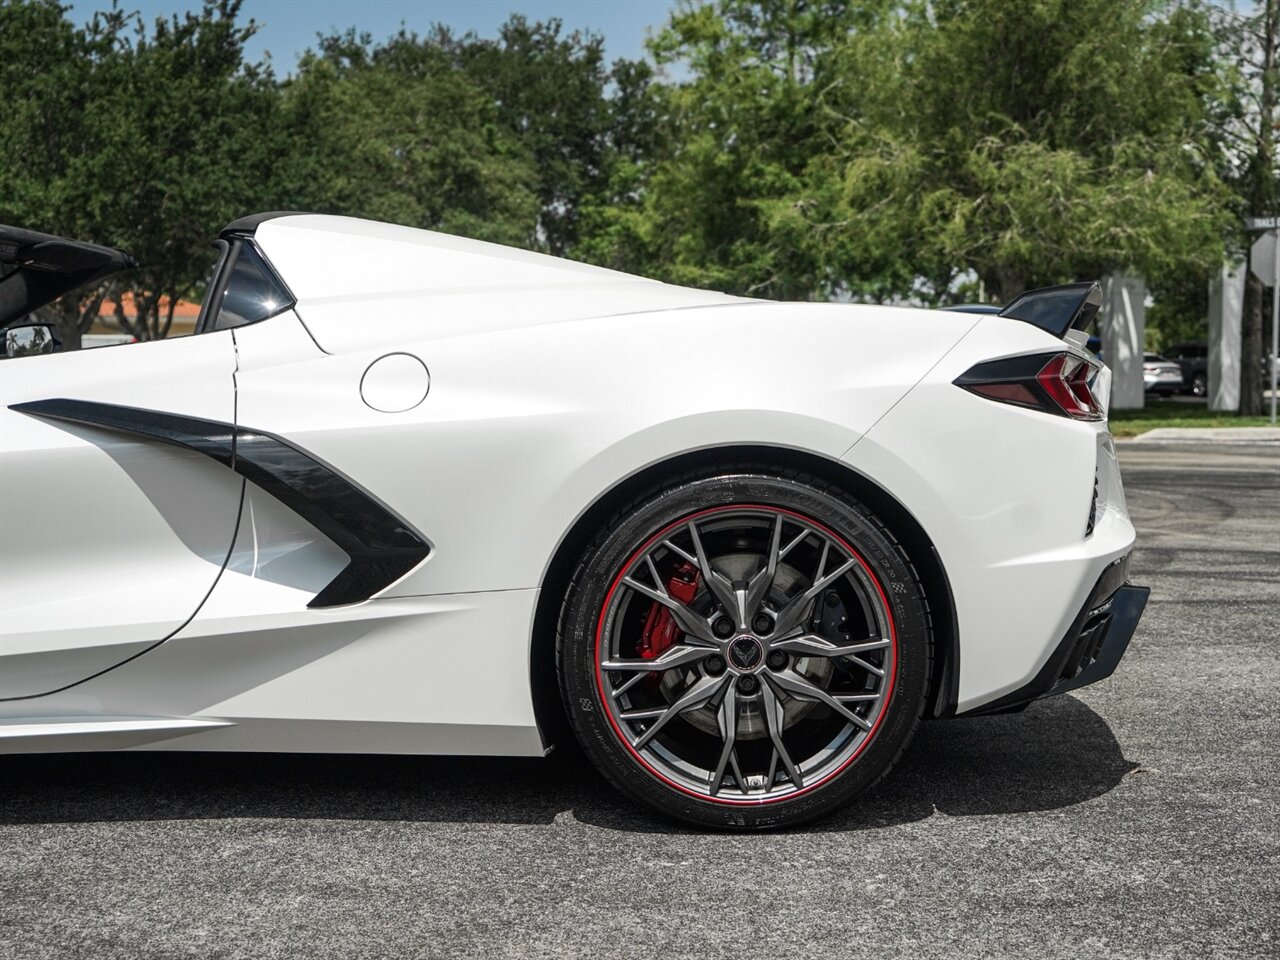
[1193, 359]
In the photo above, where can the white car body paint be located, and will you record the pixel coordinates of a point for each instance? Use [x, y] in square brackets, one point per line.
[550, 382]
[107, 544]
[1005, 499]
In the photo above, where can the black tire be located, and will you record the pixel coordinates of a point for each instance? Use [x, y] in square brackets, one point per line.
[902, 689]
[1199, 385]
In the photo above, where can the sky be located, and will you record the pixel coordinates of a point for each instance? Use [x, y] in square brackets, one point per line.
[287, 27]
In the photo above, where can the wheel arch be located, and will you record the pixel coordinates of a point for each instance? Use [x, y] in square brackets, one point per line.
[940, 606]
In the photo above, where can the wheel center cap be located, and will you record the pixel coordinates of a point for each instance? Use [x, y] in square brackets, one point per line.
[746, 653]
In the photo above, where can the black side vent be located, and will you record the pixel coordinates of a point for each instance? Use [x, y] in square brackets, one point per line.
[381, 546]
[1093, 509]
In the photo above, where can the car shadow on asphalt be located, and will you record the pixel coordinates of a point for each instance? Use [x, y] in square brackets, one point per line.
[1057, 753]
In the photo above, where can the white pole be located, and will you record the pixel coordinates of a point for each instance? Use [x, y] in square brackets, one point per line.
[1275, 323]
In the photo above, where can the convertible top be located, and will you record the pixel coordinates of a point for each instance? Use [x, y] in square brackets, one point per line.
[48, 267]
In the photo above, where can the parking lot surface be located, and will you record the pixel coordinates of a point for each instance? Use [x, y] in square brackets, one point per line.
[1135, 818]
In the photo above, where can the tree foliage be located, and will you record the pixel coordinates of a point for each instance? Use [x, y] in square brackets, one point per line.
[890, 150]
[548, 91]
[42, 131]
[1032, 141]
[148, 137]
[395, 132]
[740, 145]
[807, 149]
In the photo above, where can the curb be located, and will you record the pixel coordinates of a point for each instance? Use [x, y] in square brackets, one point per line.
[1250, 435]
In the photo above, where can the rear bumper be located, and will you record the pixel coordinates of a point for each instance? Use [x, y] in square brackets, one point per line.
[1091, 648]
[1167, 384]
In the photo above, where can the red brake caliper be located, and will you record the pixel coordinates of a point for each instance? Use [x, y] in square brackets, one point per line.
[660, 630]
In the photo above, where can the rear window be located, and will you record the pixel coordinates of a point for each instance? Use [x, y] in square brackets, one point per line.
[252, 291]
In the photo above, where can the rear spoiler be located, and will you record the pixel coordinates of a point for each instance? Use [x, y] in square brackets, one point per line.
[48, 267]
[1057, 310]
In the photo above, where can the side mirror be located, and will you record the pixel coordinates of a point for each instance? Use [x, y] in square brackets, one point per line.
[30, 339]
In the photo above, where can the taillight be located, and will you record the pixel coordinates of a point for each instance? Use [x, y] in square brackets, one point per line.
[1057, 383]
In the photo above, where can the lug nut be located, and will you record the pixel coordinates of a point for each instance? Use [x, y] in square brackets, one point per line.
[761, 624]
[748, 684]
[714, 666]
[777, 660]
[723, 627]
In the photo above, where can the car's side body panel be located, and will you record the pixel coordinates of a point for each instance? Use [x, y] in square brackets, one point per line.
[409, 675]
[523, 429]
[108, 543]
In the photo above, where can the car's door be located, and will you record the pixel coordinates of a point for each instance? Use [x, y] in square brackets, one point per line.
[112, 532]
[119, 495]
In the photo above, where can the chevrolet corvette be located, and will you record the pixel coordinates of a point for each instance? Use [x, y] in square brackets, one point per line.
[402, 492]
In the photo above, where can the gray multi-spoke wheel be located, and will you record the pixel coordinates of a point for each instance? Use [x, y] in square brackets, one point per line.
[750, 663]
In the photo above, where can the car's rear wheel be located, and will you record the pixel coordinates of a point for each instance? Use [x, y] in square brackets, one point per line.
[748, 650]
[1199, 385]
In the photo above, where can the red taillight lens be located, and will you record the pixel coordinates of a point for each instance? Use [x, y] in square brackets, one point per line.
[1056, 383]
[1007, 393]
[1065, 378]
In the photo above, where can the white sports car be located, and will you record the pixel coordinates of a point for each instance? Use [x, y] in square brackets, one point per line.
[407, 493]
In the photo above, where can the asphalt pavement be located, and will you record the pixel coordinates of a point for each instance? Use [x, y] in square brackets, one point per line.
[1135, 818]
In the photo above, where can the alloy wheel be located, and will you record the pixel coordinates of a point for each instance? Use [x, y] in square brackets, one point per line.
[745, 654]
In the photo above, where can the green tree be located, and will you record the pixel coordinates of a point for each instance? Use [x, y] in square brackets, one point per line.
[611, 215]
[43, 71]
[1035, 141]
[806, 149]
[183, 136]
[741, 140]
[548, 91]
[144, 138]
[397, 132]
[45, 67]
[887, 150]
